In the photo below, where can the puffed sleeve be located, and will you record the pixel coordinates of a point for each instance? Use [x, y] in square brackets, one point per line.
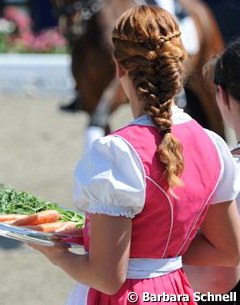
[229, 184]
[110, 179]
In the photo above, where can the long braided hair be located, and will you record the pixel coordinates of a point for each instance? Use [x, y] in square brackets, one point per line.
[146, 43]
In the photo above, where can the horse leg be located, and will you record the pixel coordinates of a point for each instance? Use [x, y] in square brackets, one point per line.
[98, 124]
[93, 69]
[75, 105]
[112, 97]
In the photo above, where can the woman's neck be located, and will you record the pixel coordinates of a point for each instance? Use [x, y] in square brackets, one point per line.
[235, 115]
[137, 106]
[236, 123]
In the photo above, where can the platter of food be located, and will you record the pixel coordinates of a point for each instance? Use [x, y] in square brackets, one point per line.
[27, 218]
[45, 239]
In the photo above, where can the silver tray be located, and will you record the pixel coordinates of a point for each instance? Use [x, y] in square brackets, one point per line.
[31, 236]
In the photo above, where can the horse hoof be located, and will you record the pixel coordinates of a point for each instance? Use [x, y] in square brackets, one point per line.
[73, 107]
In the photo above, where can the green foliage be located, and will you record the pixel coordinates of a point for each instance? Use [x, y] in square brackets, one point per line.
[16, 202]
[48, 42]
[3, 43]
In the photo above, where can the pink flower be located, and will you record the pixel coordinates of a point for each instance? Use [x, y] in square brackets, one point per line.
[19, 17]
[24, 40]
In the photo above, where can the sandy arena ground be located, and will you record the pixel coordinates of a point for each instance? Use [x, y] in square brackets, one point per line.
[39, 148]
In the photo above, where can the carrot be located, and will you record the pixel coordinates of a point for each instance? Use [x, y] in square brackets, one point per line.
[52, 227]
[38, 218]
[9, 222]
[11, 217]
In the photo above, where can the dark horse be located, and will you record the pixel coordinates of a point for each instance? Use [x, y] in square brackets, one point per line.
[88, 23]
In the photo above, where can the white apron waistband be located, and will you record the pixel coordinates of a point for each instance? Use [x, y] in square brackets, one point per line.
[141, 268]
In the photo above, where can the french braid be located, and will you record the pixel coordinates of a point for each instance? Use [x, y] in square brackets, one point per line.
[146, 43]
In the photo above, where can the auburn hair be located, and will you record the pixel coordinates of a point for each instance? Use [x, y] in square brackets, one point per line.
[147, 44]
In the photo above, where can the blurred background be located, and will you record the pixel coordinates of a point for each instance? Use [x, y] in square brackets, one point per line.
[42, 126]
[227, 16]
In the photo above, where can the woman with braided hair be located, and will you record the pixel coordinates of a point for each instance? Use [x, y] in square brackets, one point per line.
[148, 187]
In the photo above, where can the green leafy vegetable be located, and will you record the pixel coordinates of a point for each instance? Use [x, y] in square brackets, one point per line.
[16, 202]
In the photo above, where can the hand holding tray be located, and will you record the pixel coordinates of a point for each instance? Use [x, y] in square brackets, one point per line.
[46, 239]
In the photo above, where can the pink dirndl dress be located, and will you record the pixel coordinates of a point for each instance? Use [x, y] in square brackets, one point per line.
[165, 227]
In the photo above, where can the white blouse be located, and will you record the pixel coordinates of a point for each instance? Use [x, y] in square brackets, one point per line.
[110, 178]
[237, 159]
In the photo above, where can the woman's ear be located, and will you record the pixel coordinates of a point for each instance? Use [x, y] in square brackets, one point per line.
[223, 96]
[119, 70]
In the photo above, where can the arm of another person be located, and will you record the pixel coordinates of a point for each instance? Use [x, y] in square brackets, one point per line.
[218, 279]
[212, 279]
[104, 268]
[218, 242]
